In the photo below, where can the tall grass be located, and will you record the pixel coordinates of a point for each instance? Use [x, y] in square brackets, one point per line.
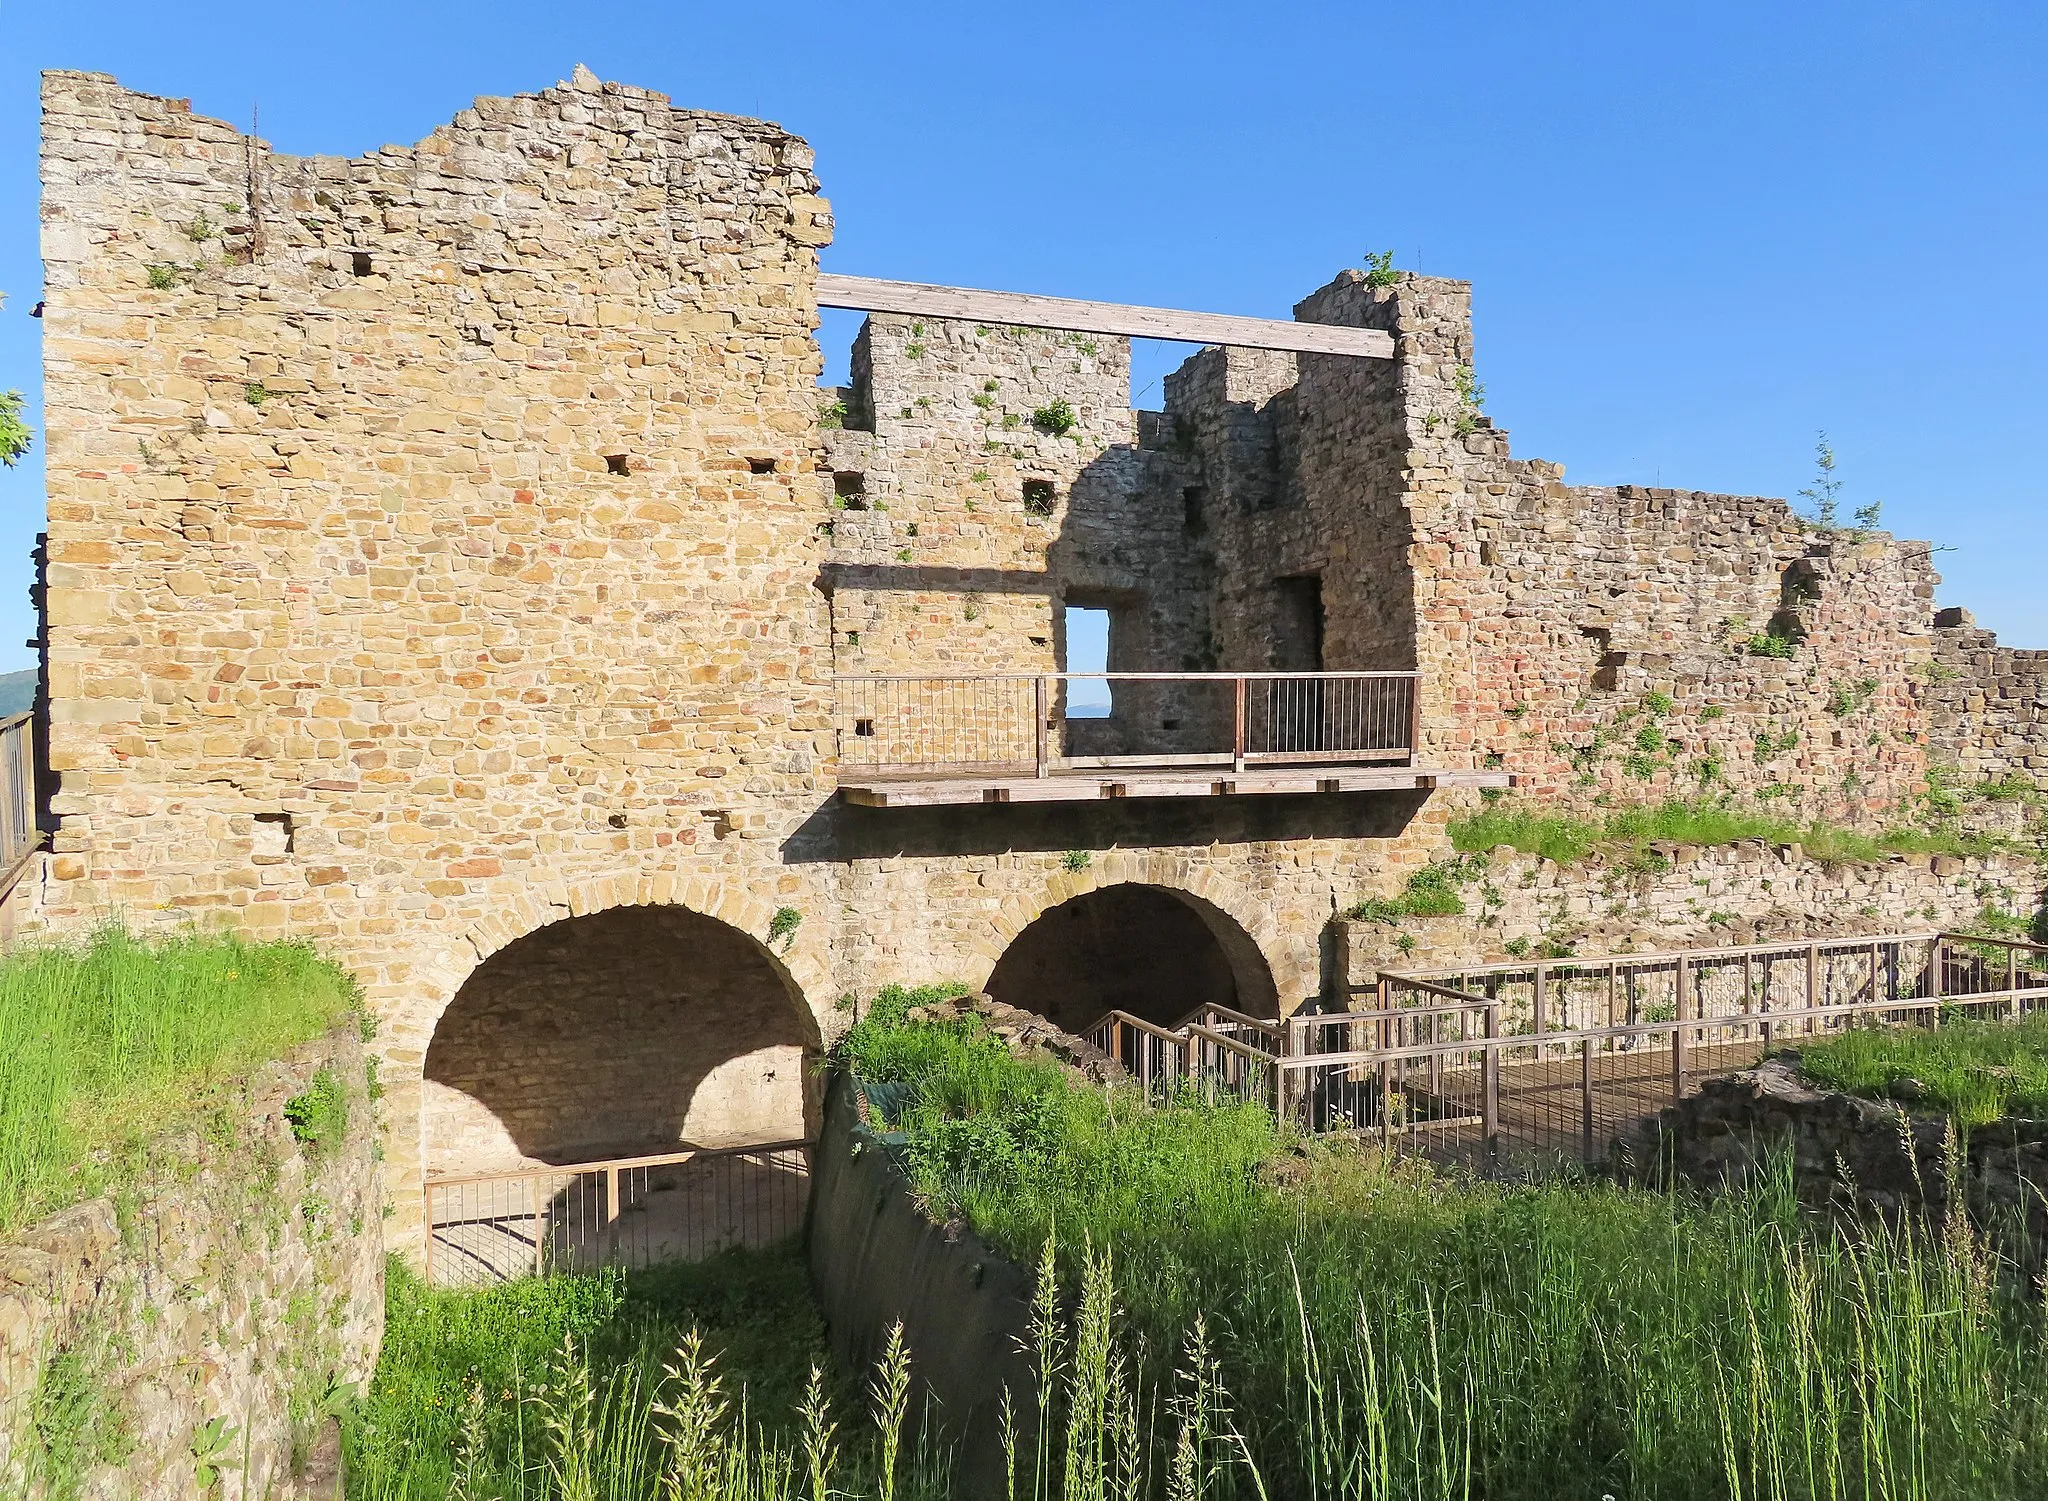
[109, 1041]
[1391, 1332]
[1626, 833]
[1976, 1071]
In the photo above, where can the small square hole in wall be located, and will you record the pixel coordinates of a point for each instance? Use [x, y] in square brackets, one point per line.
[864, 727]
[359, 262]
[850, 488]
[760, 466]
[1192, 500]
[615, 463]
[1039, 496]
[271, 838]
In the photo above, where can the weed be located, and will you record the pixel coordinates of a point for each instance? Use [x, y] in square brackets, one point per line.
[164, 277]
[77, 1422]
[1056, 418]
[256, 393]
[783, 925]
[1379, 269]
[1711, 713]
[319, 1116]
[1824, 494]
[201, 229]
[1076, 860]
[1432, 891]
[832, 414]
[1777, 645]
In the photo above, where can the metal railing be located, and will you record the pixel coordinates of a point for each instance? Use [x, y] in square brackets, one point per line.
[19, 836]
[628, 1211]
[1558, 1057]
[1021, 723]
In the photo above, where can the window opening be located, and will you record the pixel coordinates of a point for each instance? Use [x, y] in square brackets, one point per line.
[1088, 651]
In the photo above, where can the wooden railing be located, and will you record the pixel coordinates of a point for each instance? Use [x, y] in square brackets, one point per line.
[1022, 723]
[625, 1211]
[1558, 1056]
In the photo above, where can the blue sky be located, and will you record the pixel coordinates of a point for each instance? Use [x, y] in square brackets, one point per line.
[1698, 233]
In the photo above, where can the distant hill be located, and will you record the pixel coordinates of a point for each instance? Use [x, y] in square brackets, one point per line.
[17, 692]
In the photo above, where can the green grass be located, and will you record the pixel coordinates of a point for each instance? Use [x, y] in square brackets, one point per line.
[1387, 1331]
[1429, 892]
[1627, 833]
[1976, 1071]
[111, 1041]
[463, 1376]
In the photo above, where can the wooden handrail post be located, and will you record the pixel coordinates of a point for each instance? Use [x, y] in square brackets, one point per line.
[1681, 1004]
[1237, 739]
[1489, 1104]
[427, 1214]
[1586, 1095]
[1042, 699]
[1812, 986]
[1540, 1003]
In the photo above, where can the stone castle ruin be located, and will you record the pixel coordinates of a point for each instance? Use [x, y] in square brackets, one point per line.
[453, 560]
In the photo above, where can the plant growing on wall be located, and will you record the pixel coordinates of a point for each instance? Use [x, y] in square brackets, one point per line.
[1379, 268]
[1056, 418]
[1471, 400]
[1824, 494]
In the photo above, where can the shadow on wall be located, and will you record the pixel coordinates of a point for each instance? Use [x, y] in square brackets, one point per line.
[840, 831]
[1155, 953]
[628, 1032]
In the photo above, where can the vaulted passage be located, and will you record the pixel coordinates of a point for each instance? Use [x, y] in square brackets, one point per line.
[629, 1032]
[1148, 950]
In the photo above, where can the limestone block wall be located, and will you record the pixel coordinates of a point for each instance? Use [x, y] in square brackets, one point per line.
[239, 1285]
[1723, 895]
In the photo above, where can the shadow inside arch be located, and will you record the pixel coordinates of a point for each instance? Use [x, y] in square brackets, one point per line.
[631, 1031]
[1153, 951]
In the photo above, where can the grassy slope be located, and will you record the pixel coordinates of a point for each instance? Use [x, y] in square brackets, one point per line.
[1976, 1071]
[1570, 1339]
[1627, 832]
[110, 1042]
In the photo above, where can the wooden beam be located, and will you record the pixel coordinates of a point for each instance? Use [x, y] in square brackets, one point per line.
[965, 305]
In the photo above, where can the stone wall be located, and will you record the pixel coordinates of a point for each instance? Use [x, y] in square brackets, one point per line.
[1723, 895]
[1855, 1155]
[1991, 705]
[239, 1285]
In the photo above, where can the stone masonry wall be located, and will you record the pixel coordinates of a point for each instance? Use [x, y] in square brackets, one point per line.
[239, 1285]
[1990, 705]
[1725, 895]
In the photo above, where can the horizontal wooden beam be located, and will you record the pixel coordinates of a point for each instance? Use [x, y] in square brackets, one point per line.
[965, 305]
[952, 791]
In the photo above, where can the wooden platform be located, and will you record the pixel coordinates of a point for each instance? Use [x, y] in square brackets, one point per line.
[1075, 787]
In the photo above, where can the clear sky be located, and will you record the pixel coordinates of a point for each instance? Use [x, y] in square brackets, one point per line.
[1698, 233]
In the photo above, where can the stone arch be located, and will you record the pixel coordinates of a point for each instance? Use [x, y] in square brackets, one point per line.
[614, 1019]
[1153, 950]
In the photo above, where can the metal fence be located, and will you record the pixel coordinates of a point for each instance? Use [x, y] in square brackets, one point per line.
[19, 836]
[1555, 1058]
[1020, 723]
[630, 1211]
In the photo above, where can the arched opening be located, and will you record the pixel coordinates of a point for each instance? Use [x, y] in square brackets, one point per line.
[629, 1032]
[1148, 950]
